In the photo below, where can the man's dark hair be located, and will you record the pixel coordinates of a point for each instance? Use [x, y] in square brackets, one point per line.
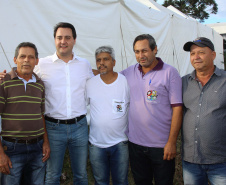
[65, 25]
[23, 45]
[148, 37]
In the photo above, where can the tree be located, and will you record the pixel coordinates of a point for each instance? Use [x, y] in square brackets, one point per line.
[198, 9]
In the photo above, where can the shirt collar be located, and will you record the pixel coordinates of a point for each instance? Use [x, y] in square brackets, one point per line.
[55, 57]
[33, 79]
[216, 72]
[13, 74]
[158, 67]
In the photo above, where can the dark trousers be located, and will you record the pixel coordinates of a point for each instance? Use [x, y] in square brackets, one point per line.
[147, 163]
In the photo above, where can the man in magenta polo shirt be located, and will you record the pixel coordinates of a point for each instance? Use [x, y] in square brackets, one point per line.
[155, 114]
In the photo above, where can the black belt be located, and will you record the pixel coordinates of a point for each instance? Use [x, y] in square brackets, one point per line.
[67, 121]
[27, 141]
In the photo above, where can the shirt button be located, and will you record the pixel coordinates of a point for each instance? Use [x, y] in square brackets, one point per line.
[200, 104]
[196, 142]
[196, 129]
[198, 116]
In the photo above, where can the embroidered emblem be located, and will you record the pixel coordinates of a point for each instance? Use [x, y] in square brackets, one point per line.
[119, 108]
[152, 95]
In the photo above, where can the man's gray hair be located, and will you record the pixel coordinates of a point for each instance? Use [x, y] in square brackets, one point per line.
[105, 49]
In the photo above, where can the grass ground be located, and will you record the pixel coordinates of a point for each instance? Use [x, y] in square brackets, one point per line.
[66, 178]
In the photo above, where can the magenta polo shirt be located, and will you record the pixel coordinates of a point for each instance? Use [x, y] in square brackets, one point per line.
[151, 99]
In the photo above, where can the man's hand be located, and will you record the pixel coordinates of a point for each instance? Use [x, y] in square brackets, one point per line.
[5, 163]
[45, 150]
[2, 74]
[95, 72]
[170, 151]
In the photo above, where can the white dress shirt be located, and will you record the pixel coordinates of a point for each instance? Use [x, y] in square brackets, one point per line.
[64, 85]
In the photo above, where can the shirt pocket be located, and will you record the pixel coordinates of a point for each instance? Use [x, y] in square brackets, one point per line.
[156, 95]
[118, 108]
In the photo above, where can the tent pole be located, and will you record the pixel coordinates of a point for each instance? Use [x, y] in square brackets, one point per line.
[5, 55]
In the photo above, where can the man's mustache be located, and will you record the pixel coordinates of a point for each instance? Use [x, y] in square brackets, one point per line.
[102, 66]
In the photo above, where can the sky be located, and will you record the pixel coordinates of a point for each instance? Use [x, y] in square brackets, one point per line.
[213, 18]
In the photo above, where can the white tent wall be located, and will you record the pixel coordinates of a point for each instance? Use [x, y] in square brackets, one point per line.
[137, 18]
[192, 31]
[183, 30]
[217, 40]
[182, 27]
[96, 23]
[218, 44]
[100, 22]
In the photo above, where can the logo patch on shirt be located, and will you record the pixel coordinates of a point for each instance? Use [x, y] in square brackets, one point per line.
[152, 95]
[119, 108]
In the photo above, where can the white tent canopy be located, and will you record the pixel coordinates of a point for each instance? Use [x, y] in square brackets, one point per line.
[102, 22]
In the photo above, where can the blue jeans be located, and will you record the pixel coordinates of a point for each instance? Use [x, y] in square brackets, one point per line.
[75, 137]
[196, 174]
[114, 159]
[26, 159]
[147, 163]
